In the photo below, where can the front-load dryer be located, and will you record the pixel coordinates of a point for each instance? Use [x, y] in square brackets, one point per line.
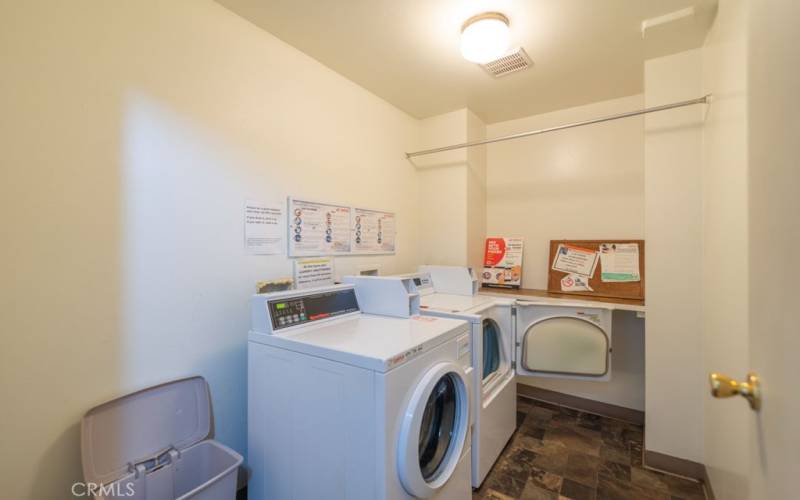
[494, 381]
[563, 340]
[348, 405]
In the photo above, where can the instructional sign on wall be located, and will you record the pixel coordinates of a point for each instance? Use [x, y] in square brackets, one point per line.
[263, 228]
[619, 262]
[310, 273]
[318, 228]
[373, 231]
[576, 260]
[502, 262]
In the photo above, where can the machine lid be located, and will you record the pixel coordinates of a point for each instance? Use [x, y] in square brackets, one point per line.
[450, 303]
[139, 427]
[377, 343]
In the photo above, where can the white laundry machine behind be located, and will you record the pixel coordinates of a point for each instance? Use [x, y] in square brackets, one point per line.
[543, 338]
[348, 405]
[492, 327]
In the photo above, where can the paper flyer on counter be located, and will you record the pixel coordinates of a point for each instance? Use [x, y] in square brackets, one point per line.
[263, 228]
[373, 231]
[502, 262]
[318, 228]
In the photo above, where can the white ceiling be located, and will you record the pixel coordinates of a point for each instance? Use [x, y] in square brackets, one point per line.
[406, 51]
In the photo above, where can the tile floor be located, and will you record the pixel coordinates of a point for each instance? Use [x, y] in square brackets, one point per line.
[560, 453]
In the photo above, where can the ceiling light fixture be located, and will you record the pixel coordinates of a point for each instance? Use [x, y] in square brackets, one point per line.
[485, 37]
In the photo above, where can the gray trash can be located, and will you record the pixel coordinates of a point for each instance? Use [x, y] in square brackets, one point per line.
[154, 445]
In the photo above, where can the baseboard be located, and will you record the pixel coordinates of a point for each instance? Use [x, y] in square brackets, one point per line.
[674, 465]
[707, 485]
[583, 404]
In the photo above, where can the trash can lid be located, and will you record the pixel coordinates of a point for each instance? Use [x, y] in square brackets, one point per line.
[142, 426]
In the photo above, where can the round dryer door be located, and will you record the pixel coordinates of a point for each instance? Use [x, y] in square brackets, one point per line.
[566, 345]
[434, 430]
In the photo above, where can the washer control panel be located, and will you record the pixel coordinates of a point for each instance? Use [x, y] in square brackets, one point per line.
[305, 309]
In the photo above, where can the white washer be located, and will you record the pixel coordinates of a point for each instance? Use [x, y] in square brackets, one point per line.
[347, 405]
[494, 381]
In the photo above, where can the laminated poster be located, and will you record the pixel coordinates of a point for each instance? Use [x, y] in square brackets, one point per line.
[373, 231]
[318, 228]
[502, 262]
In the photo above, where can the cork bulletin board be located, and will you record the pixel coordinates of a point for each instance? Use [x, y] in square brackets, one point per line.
[625, 290]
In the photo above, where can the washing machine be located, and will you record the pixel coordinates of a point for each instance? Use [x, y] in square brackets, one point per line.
[563, 339]
[357, 402]
[451, 292]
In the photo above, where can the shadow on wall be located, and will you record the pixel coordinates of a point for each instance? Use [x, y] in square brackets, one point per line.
[186, 278]
[178, 261]
[60, 459]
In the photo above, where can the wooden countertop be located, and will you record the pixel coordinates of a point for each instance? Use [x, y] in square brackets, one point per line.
[565, 298]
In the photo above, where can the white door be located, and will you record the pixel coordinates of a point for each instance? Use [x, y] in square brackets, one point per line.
[563, 342]
[774, 190]
[755, 453]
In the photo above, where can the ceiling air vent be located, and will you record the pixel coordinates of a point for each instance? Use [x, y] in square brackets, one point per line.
[509, 63]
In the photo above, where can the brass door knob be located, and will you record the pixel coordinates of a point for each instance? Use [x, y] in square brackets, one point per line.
[723, 386]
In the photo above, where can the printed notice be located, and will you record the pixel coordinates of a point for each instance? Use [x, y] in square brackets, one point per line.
[263, 228]
[373, 231]
[310, 273]
[575, 260]
[575, 283]
[619, 262]
[318, 228]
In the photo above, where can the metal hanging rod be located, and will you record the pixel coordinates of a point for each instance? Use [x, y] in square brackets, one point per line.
[700, 100]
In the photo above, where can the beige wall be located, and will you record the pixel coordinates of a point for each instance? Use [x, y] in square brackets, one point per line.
[452, 190]
[476, 192]
[583, 183]
[675, 384]
[725, 245]
[131, 134]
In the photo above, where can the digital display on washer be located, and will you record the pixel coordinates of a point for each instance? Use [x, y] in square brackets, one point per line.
[309, 308]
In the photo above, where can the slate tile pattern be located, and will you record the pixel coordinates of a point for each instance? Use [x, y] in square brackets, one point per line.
[558, 453]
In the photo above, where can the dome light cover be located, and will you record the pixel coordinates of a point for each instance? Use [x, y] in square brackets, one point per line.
[485, 37]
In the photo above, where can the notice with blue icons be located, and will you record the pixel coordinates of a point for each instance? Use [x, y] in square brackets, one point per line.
[373, 231]
[318, 228]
